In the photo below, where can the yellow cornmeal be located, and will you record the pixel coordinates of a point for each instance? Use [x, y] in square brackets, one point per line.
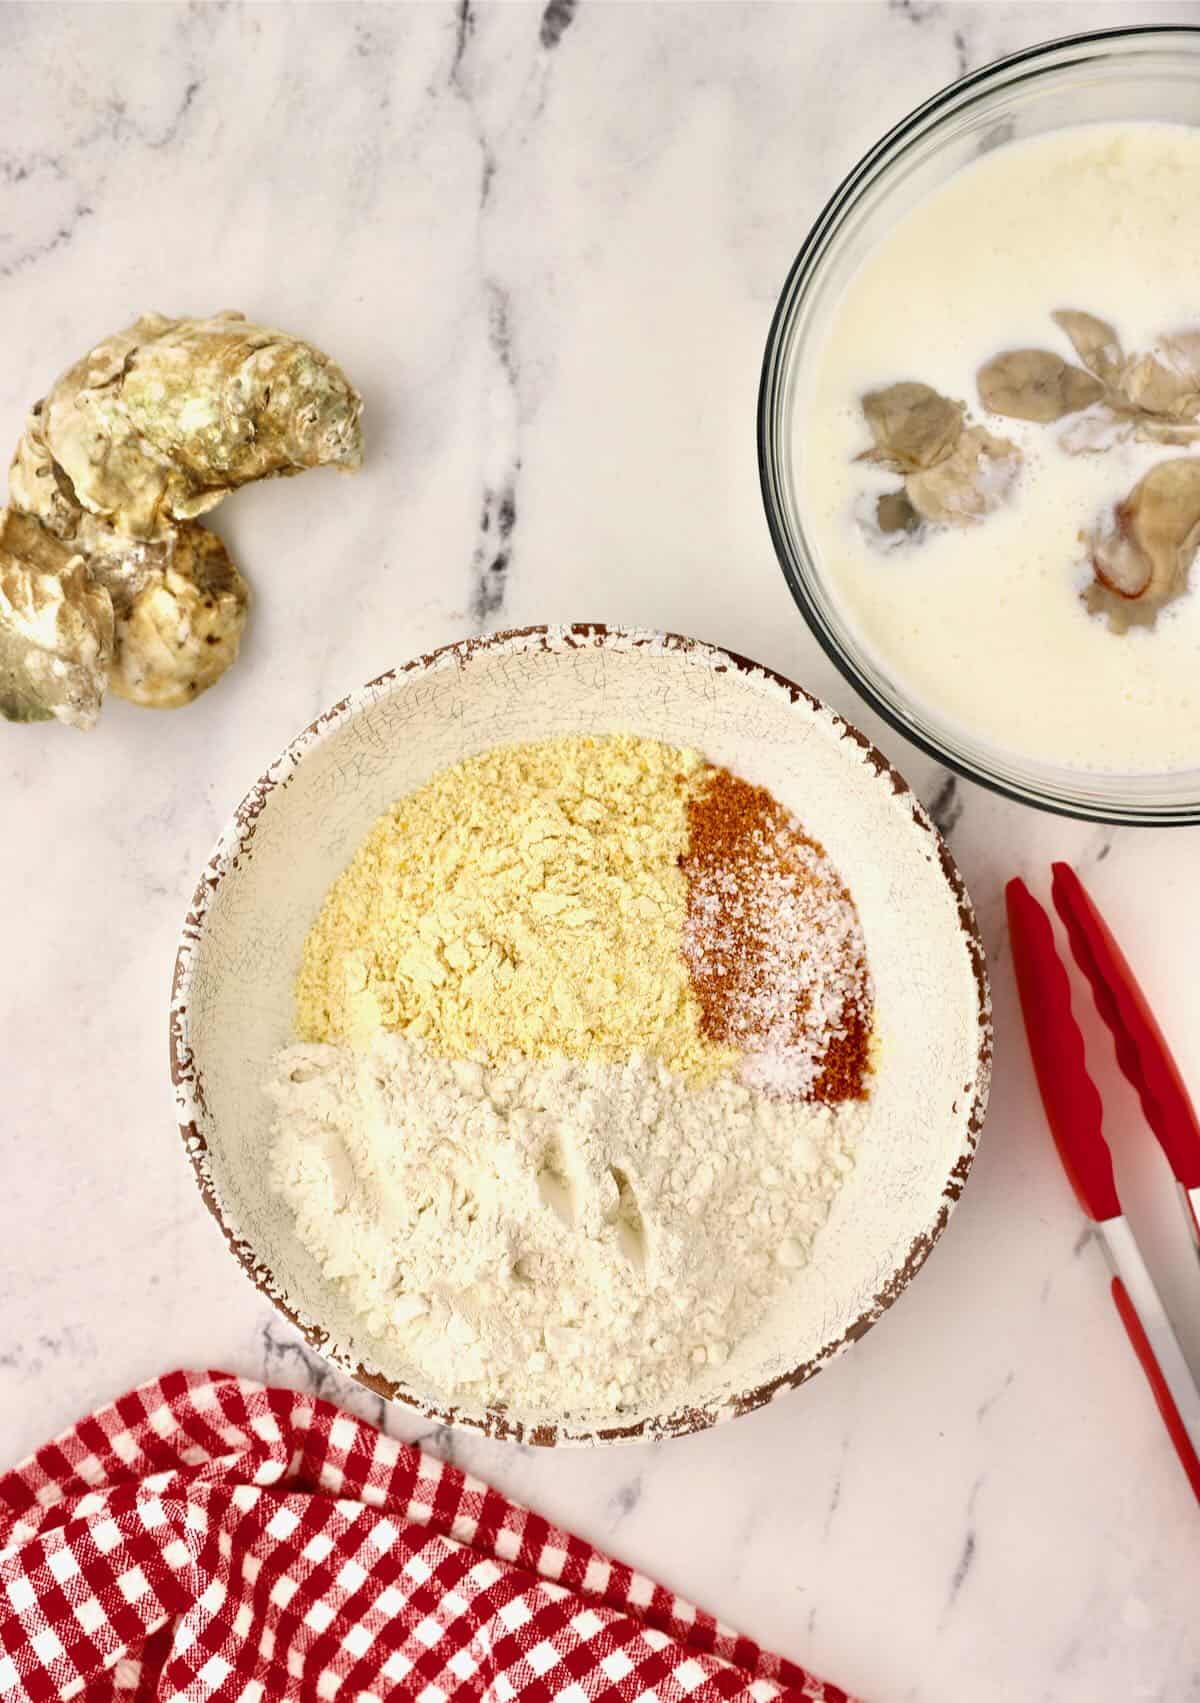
[527, 900]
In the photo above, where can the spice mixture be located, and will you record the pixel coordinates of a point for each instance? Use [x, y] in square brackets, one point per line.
[773, 946]
[585, 1031]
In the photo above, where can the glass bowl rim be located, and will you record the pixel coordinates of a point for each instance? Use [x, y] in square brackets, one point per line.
[1038, 59]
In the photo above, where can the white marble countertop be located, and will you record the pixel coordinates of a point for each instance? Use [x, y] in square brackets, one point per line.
[547, 242]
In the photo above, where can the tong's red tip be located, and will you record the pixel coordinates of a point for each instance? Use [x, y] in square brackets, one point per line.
[1073, 1108]
[1142, 1051]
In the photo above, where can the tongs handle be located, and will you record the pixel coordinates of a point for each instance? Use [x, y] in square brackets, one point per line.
[1171, 1417]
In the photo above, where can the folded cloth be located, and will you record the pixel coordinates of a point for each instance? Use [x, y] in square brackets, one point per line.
[205, 1537]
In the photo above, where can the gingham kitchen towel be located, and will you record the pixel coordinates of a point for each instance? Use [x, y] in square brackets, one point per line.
[205, 1537]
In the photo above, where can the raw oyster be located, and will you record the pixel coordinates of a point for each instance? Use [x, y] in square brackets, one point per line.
[1036, 384]
[1142, 551]
[969, 484]
[912, 425]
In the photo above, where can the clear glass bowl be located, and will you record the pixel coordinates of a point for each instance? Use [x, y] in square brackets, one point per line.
[1150, 73]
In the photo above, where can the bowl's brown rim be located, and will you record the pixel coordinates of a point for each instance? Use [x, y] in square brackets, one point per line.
[188, 1085]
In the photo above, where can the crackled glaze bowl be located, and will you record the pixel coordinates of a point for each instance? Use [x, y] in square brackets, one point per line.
[298, 827]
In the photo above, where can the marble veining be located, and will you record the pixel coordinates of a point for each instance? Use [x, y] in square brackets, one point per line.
[962, 1566]
[946, 806]
[546, 239]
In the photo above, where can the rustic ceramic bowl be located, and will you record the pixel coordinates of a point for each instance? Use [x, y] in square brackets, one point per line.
[295, 831]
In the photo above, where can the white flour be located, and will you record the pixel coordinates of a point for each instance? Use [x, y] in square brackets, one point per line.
[577, 1237]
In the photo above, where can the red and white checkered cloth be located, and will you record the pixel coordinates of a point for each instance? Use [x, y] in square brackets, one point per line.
[206, 1538]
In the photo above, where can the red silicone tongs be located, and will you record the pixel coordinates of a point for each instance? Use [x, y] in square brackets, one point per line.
[1075, 1114]
[1142, 1052]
